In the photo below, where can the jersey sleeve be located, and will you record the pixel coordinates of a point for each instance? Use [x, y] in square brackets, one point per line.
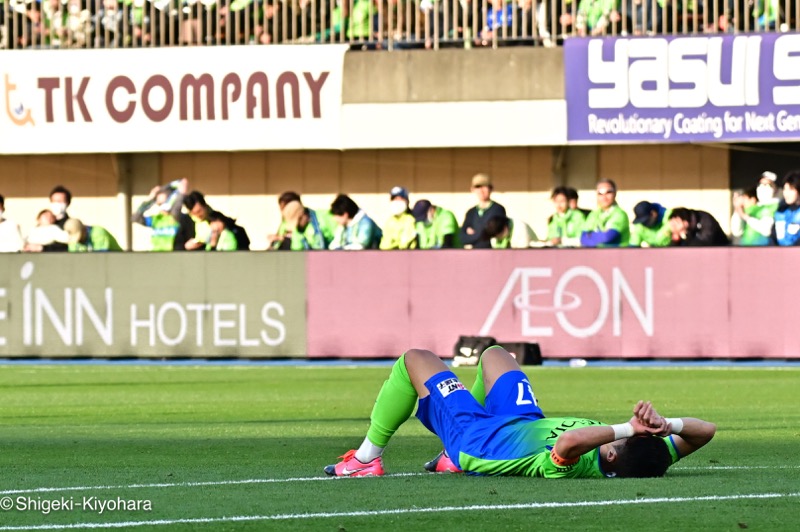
[673, 449]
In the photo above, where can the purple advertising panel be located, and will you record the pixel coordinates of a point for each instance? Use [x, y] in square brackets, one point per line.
[627, 303]
[683, 89]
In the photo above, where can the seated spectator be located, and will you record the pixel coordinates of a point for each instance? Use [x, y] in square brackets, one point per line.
[650, 227]
[751, 223]
[695, 228]
[83, 238]
[281, 239]
[171, 228]
[787, 217]
[572, 198]
[45, 234]
[10, 236]
[607, 225]
[200, 212]
[504, 233]
[476, 218]
[437, 227]
[565, 226]
[399, 232]
[60, 199]
[308, 229]
[221, 238]
[355, 229]
[597, 17]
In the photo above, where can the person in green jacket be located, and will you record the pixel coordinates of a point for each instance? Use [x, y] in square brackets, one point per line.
[308, 229]
[752, 222]
[607, 225]
[82, 238]
[437, 228]
[565, 226]
[651, 226]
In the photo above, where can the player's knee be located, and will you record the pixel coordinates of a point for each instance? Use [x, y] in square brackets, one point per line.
[417, 356]
[495, 351]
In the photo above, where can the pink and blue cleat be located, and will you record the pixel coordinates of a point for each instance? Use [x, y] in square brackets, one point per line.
[350, 466]
[442, 464]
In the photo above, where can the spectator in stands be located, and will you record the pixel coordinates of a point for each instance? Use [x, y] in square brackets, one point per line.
[751, 223]
[695, 228]
[60, 200]
[767, 190]
[499, 21]
[399, 231]
[565, 226]
[10, 235]
[504, 233]
[559, 15]
[108, 24]
[355, 229]
[171, 228]
[476, 218]
[282, 238]
[45, 234]
[572, 197]
[221, 237]
[787, 217]
[309, 229]
[650, 225]
[83, 238]
[437, 227]
[607, 225]
[597, 17]
[200, 212]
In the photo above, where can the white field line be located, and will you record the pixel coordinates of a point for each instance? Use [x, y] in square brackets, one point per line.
[403, 511]
[304, 479]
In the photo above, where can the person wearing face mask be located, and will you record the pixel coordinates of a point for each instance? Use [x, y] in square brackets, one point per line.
[10, 235]
[754, 212]
[161, 212]
[60, 199]
[399, 232]
[650, 226]
[437, 227]
[787, 216]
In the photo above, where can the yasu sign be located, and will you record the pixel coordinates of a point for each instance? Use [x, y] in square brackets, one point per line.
[683, 88]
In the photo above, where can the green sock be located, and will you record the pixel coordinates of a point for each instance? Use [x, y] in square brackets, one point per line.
[478, 391]
[394, 405]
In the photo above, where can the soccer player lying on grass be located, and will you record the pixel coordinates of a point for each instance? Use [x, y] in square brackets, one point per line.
[499, 429]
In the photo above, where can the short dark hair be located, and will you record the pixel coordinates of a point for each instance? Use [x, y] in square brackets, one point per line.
[344, 205]
[495, 225]
[62, 190]
[681, 212]
[562, 191]
[609, 182]
[572, 194]
[193, 198]
[288, 197]
[2, 201]
[750, 193]
[792, 179]
[642, 457]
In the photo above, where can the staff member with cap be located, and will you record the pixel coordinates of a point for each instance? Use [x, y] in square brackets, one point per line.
[475, 220]
[309, 229]
[437, 227]
[82, 238]
[651, 225]
[399, 232]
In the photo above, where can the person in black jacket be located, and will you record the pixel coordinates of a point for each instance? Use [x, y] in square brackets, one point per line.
[476, 218]
[695, 228]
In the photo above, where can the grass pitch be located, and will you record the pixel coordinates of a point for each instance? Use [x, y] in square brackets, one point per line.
[242, 448]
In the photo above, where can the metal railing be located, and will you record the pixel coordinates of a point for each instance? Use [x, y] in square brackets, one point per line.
[373, 24]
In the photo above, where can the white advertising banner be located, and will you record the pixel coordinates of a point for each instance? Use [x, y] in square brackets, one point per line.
[171, 99]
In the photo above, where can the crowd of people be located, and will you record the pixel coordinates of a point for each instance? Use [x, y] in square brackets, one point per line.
[182, 220]
[372, 23]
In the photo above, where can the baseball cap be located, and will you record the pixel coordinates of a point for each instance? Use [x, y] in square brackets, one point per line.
[399, 192]
[642, 211]
[291, 213]
[772, 176]
[420, 210]
[74, 229]
[481, 180]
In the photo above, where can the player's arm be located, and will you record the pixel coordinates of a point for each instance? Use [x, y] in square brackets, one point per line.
[573, 443]
[688, 433]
